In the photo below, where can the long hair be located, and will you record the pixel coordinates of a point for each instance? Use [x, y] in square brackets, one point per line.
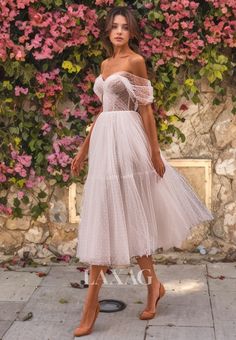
[133, 27]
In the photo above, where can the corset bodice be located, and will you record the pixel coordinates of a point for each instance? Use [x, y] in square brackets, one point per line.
[123, 91]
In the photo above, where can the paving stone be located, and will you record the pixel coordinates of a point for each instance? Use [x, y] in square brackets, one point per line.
[4, 325]
[117, 329]
[223, 305]
[56, 304]
[17, 286]
[9, 310]
[190, 308]
[180, 333]
[183, 277]
[228, 270]
[225, 330]
[40, 330]
[183, 313]
[62, 276]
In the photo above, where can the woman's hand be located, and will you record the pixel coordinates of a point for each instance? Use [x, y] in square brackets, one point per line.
[77, 163]
[158, 164]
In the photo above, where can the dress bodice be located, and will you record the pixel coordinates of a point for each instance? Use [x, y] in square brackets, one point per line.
[123, 91]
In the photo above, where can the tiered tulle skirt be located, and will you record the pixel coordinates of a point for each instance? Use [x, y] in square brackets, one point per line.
[127, 209]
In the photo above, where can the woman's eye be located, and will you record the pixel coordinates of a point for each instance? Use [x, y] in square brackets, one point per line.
[124, 27]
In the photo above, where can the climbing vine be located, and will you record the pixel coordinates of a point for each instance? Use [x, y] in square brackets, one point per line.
[50, 54]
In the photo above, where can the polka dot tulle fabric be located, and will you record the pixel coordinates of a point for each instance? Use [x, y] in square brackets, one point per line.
[127, 209]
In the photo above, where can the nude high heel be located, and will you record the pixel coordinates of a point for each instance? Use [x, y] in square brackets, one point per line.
[80, 331]
[145, 315]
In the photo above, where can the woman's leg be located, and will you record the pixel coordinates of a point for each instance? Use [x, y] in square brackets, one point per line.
[91, 301]
[153, 284]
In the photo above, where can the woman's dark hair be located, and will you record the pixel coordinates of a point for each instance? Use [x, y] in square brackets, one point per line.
[133, 27]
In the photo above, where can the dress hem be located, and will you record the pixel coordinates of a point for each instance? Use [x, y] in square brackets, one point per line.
[147, 253]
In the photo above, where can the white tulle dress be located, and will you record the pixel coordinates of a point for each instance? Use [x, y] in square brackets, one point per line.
[127, 209]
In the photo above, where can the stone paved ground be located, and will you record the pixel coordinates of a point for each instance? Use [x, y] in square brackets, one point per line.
[197, 305]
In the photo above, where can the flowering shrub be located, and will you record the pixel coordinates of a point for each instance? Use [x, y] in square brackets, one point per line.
[50, 54]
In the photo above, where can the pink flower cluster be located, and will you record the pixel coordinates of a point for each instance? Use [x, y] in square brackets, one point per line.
[22, 162]
[182, 39]
[21, 167]
[18, 168]
[49, 85]
[45, 33]
[46, 128]
[222, 29]
[5, 210]
[9, 10]
[60, 159]
[86, 99]
[178, 16]
[19, 90]
[33, 180]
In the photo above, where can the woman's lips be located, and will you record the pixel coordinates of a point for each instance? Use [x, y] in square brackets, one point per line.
[118, 38]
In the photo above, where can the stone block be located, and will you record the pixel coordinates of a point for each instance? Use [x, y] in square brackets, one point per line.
[18, 223]
[37, 234]
[225, 128]
[10, 240]
[226, 164]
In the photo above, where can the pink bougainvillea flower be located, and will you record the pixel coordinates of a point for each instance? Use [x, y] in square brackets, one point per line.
[20, 194]
[5, 210]
[149, 5]
[25, 160]
[50, 169]
[65, 177]
[52, 159]
[20, 170]
[46, 128]
[183, 107]
[2, 178]
[160, 62]
[21, 90]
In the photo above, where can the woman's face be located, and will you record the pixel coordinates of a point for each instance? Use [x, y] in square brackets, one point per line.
[119, 34]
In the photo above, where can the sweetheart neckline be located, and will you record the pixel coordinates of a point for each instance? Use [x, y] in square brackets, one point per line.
[100, 75]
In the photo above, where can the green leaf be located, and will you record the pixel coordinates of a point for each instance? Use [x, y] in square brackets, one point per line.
[42, 194]
[17, 212]
[39, 158]
[14, 130]
[233, 111]
[58, 3]
[16, 202]
[25, 199]
[32, 144]
[216, 101]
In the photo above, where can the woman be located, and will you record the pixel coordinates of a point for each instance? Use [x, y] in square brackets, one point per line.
[133, 200]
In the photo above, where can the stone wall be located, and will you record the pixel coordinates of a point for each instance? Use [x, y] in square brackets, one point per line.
[210, 133]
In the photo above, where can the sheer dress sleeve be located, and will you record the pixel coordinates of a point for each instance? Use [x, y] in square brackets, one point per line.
[140, 89]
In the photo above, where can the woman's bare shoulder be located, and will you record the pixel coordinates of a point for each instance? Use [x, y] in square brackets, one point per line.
[137, 65]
